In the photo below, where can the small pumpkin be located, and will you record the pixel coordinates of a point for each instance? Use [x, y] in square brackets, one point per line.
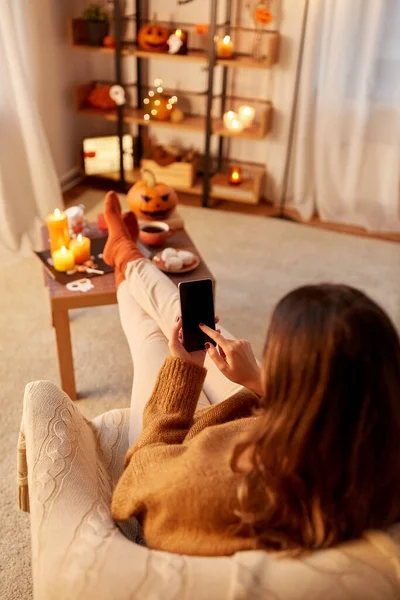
[150, 200]
[159, 107]
[262, 16]
[153, 37]
[99, 97]
[109, 41]
[201, 28]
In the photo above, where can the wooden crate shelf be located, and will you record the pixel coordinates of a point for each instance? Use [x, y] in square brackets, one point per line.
[257, 131]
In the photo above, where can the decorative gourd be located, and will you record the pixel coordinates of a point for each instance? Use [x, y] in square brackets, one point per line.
[262, 16]
[109, 41]
[153, 37]
[150, 200]
[201, 28]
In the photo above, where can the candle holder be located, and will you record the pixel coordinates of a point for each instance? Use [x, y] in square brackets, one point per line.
[235, 176]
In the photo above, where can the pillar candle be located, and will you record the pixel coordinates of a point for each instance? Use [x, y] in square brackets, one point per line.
[57, 224]
[80, 246]
[225, 47]
[235, 125]
[182, 34]
[246, 115]
[229, 116]
[63, 259]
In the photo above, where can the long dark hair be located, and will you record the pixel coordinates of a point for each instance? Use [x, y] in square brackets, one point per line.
[324, 463]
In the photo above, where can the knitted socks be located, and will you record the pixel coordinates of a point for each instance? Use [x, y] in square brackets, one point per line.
[120, 248]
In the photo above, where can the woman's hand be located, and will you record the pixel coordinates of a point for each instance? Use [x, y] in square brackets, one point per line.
[235, 359]
[177, 349]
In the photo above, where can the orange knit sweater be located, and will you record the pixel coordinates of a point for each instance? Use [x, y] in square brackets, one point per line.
[177, 478]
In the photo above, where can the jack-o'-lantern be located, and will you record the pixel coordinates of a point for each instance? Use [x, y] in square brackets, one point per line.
[153, 37]
[150, 200]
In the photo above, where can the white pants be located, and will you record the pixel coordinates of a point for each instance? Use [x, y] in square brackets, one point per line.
[149, 305]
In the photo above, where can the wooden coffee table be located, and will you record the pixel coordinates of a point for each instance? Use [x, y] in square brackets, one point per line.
[104, 292]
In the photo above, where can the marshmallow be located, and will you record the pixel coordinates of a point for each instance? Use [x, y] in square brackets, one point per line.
[186, 256]
[168, 253]
[174, 262]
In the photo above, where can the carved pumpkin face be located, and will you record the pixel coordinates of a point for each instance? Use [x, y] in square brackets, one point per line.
[153, 37]
[151, 201]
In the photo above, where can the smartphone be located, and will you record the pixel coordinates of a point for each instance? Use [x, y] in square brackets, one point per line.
[197, 306]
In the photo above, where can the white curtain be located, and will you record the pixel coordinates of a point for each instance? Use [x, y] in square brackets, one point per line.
[29, 187]
[346, 158]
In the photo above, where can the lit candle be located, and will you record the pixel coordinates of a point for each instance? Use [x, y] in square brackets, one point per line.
[63, 259]
[229, 117]
[80, 247]
[235, 125]
[225, 47]
[182, 35]
[57, 224]
[178, 42]
[246, 115]
[235, 176]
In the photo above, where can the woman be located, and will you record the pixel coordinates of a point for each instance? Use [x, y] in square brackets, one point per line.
[300, 455]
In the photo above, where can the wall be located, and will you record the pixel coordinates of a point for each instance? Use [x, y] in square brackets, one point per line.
[60, 68]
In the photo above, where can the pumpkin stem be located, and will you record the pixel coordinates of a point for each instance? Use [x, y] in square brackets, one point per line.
[155, 20]
[149, 177]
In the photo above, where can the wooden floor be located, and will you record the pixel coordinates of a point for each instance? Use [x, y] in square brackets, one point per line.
[263, 209]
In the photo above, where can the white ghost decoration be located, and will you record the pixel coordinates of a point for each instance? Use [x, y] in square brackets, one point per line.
[117, 93]
[174, 43]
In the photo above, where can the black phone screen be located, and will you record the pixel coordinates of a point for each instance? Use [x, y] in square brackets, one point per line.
[197, 306]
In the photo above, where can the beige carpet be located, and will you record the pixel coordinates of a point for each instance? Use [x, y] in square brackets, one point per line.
[255, 260]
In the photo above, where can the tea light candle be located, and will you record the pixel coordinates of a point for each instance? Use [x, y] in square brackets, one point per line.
[235, 176]
[80, 247]
[246, 115]
[225, 47]
[229, 117]
[63, 259]
[57, 224]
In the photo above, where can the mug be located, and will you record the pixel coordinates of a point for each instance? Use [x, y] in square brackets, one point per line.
[154, 233]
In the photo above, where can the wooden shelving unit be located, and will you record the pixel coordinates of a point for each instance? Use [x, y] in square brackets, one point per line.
[212, 184]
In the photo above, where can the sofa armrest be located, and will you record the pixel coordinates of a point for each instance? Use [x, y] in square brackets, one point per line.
[70, 485]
